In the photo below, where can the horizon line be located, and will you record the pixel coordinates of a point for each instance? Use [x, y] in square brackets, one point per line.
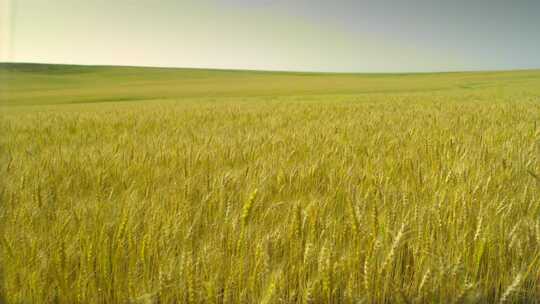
[272, 70]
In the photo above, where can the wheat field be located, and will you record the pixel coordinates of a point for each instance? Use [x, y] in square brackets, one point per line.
[398, 196]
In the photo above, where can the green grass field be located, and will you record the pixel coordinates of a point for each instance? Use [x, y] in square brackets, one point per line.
[147, 185]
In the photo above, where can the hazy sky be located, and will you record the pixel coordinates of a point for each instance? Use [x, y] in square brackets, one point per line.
[315, 35]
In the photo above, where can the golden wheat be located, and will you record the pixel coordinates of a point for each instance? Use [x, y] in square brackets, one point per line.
[382, 198]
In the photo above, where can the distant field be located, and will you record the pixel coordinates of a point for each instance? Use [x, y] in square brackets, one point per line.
[33, 84]
[146, 185]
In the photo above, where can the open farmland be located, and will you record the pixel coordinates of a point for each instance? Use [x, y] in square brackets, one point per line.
[149, 185]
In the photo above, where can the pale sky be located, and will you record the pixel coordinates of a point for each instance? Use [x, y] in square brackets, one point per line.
[303, 35]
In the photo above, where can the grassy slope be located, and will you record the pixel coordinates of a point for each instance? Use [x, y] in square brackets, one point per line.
[30, 84]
